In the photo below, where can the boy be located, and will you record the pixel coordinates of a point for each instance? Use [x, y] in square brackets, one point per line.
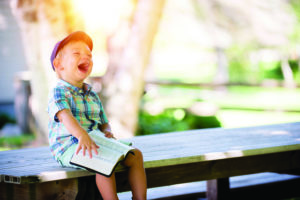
[75, 110]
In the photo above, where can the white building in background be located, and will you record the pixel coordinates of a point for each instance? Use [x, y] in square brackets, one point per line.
[12, 58]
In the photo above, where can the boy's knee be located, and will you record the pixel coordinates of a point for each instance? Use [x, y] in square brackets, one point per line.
[138, 154]
[137, 157]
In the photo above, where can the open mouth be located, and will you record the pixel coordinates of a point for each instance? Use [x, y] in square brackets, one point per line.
[84, 67]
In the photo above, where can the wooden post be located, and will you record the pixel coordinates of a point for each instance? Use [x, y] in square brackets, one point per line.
[22, 96]
[218, 189]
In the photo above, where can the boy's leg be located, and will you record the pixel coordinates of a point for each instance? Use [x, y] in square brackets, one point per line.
[107, 186]
[137, 175]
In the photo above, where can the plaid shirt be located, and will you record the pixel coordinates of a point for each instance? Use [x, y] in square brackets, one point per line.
[85, 106]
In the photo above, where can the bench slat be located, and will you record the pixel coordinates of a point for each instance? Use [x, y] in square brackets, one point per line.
[169, 149]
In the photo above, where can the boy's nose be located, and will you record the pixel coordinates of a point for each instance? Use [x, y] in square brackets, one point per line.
[85, 58]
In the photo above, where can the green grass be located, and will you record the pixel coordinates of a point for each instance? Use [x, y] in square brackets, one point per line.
[238, 97]
[239, 118]
[15, 142]
[259, 98]
[4, 148]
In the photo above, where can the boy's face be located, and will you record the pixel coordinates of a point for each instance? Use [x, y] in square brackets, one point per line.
[74, 63]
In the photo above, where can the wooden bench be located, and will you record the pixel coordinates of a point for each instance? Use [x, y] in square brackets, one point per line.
[171, 158]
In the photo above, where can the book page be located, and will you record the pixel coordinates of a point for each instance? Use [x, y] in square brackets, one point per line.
[110, 152]
[111, 143]
[107, 155]
[103, 164]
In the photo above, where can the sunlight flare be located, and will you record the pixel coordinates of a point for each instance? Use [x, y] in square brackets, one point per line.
[101, 14]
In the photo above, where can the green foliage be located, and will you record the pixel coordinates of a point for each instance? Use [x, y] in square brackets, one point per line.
[295, 4]
[172, 120]
[5, 119]
[242, 71]
[239, 64]
[15, 141]
[271, 70]
[296, 7]
[237, 70]
[295, 68]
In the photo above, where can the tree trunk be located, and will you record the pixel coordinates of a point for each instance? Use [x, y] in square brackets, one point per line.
[287, 72]
[222, 74]
[42, 23]
[123, 85]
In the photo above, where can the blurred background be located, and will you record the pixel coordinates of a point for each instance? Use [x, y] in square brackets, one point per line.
[159, 65]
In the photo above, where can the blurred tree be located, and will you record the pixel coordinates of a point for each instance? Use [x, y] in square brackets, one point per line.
[123, 84]
[41, 24]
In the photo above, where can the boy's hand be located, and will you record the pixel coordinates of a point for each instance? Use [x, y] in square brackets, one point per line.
[108, 134]
[66, 117]
[86, 143]
[105, 128]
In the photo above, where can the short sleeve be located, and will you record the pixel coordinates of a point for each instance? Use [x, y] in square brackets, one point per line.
[102, 115]
[57, 101]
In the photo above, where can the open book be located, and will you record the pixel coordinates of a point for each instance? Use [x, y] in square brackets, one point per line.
[110, 153]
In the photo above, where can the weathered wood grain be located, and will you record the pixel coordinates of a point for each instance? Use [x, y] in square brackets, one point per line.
[59, 190]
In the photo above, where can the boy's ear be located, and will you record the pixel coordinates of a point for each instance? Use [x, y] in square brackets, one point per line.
[56, 63]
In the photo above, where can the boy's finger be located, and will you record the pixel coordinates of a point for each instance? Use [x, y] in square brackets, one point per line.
[90, 153]
[84, 151]
[78, 149]
[96, 152]
[109, 135]
[95, 149]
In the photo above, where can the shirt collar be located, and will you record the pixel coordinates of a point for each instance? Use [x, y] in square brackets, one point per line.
[87, 87]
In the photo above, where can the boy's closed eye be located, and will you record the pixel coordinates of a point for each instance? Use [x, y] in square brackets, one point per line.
[77, 53]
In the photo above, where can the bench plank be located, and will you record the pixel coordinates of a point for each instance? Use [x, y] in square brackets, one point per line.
[217, 143]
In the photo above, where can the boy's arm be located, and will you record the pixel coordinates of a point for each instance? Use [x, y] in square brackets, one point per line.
[84, 141]
[105, 128]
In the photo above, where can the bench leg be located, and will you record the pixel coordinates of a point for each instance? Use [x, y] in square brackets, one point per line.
[217, 189]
